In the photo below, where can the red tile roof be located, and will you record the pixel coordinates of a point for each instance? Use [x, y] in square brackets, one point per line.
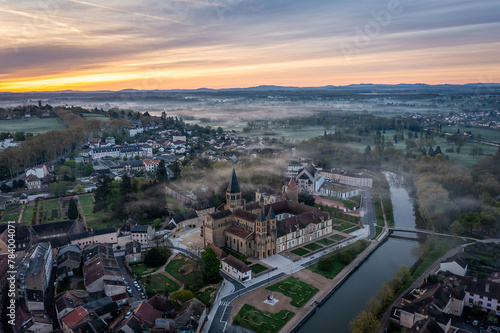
[238, 231]
[220, 253]
[247, 216]
[75, 316]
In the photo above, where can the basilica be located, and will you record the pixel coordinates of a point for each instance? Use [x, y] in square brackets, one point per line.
[274, 223]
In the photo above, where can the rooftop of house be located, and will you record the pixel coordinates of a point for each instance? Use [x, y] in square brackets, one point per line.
[45, 230]
[220, 253]
[202, 205]
[457, 258]
[237, 264]
[189, 215]
[141, 228]
[75, 316]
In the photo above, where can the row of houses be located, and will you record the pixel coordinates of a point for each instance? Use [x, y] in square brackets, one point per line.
[432, 306]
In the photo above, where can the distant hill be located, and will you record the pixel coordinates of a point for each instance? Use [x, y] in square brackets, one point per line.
[263, 89]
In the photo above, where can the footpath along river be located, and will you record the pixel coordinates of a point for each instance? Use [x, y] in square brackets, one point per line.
[336, 313]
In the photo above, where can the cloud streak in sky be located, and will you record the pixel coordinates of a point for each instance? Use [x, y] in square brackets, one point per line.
[73, 44]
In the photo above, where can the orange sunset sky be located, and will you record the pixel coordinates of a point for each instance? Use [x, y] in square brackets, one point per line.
[89, 45]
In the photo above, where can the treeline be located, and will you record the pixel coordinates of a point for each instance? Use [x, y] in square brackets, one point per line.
[49, 146]
[136, 198]
[453, 198]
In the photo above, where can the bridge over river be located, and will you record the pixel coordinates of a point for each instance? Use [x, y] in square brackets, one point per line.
[430, 232]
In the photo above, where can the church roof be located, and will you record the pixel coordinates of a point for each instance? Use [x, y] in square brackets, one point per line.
[238, 231]
[234, 186]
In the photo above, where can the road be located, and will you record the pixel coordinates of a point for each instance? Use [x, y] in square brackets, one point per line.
[129, 279]
[368, 212]
[222, 314]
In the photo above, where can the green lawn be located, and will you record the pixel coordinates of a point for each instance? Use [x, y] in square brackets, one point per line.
[347, 203]
[98, 217]
[313, 246]
[300, 251]
[261, 321]
[257, 268]
[206, 296]
[159, 284]
[176, 269]
[343, 226]
[102, 225]
[340, 260]
[28, 213]
[337, 237]
[95, 116]
[33, 125]
[326, 241]
[378, 230]
[10, 217]
[378, 213]
[300, 292]
[141, 269]
[348, 231]
[86, 200]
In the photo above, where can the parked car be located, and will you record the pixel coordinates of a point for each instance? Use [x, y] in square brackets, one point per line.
[475, 322]
[128, 314]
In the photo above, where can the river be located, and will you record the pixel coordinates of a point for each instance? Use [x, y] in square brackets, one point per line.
[336, 313]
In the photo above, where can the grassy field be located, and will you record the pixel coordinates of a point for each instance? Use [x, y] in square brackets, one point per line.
[95, 116]
[300, 251]
[28, 213]
[337, 237]
[348, 231]
[313, 246]
[159, 284]
[464, 158]
[141, 269]
[300, 292]
[339, 261]
[343, 226]
[347, 203]
[258, 268]
[262, 321]
[31, 125]
[378, 230]
[326, 241]
[207, 294]
[86, 200]
[177, 268]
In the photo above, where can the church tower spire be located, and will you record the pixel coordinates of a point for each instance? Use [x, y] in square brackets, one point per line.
[233, 193]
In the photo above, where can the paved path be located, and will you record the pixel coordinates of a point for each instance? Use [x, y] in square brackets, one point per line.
[367, 214]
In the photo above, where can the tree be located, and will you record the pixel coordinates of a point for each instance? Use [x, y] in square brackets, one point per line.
[179, 297]
[161, 172]
[176, 168]
[155, 257]
[325, 264]
[365, 322]
[88, 169]
[210, 266]
[58, 189]
[72, 209]
[78, 189]
[66, 173]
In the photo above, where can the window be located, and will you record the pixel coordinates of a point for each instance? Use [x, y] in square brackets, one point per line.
[488, 305]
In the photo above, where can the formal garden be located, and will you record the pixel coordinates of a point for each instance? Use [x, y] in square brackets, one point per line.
[261, 321]
[299, 291]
